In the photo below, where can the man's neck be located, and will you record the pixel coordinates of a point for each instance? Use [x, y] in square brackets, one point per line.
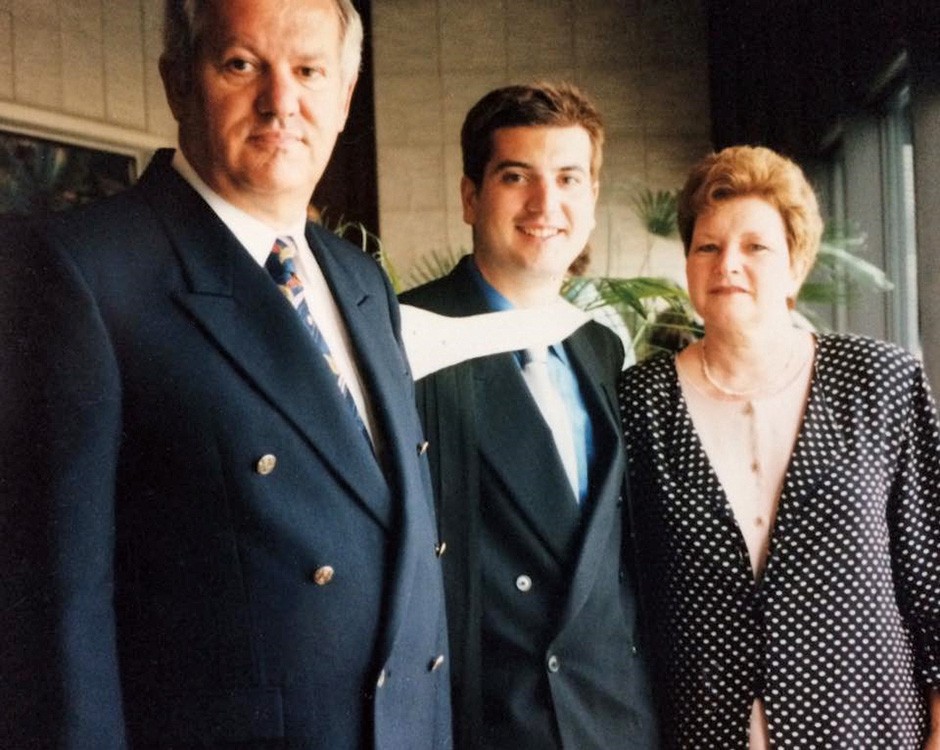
[522, 290]
[277, 215]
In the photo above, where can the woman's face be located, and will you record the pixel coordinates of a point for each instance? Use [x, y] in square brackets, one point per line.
[738, 268]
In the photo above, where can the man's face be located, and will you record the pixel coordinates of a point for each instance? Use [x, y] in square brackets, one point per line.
[534, 209]
[267, 101]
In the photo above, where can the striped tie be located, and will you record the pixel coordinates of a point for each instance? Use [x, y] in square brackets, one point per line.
[280, 264]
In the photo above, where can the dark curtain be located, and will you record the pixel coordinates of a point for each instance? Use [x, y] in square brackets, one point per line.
[349, 187]
[784, 73]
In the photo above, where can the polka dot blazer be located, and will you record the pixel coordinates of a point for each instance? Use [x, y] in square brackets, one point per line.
[842, 633]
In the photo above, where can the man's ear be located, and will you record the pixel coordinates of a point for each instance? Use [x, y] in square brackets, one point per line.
[350, 88]
[468, 197]
[177, 85]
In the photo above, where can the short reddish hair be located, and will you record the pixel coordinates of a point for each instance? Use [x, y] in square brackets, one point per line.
[739, 171]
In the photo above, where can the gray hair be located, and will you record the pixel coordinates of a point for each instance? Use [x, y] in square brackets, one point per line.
[183, 24]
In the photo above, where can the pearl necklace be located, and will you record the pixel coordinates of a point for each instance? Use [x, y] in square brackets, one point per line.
[762, 516]
[746, 394]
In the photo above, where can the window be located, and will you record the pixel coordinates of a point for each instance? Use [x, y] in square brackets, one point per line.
[899, 226]
[867, 187]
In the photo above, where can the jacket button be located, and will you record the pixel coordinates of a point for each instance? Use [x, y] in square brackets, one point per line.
[380, 682]
[265, 465]
[323, 575]
[523, 583]
[423, 447]
[440, 548]
[436, 663]
[553, 664]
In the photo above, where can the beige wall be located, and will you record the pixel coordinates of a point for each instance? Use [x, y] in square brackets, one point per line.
[643, 61]
[88, 68]
[84, 68]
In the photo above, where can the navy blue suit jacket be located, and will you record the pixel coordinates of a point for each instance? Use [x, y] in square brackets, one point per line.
[543, 613]
[159, 585]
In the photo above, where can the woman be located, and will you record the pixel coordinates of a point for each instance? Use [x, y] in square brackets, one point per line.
[787, 493]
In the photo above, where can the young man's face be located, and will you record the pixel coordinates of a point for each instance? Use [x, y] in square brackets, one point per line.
[534, 208]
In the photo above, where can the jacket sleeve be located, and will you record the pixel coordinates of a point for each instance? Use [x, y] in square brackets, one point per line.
[915, 525]
[59, 428]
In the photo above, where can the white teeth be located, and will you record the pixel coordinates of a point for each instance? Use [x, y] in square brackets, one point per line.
[542, 234]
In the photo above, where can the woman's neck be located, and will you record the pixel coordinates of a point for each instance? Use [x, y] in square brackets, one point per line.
[741, 365]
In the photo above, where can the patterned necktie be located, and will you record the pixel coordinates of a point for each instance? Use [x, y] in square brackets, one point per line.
[280, 264]
[550, 402]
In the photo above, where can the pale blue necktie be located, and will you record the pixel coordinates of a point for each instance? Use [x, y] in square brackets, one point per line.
[554, 411]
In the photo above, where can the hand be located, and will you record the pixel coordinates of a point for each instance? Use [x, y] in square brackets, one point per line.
[933, 739]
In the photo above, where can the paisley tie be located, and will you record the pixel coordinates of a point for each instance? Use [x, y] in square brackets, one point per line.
[280, 264]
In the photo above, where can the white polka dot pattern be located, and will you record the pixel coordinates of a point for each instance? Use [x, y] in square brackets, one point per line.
[843, 631]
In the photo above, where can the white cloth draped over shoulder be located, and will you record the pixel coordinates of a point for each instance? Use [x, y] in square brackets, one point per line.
[433, 342]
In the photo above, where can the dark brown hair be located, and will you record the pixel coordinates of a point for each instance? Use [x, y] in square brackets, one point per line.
[549, 104]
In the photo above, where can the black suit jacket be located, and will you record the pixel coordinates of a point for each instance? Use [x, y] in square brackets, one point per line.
[161, 586]
[555, 664]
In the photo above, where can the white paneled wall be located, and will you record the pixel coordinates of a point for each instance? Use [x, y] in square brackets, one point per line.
[86, 68]
[89, 67]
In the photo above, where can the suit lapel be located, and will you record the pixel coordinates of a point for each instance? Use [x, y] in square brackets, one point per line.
[518, 447]
[241, 312]
[607, 477]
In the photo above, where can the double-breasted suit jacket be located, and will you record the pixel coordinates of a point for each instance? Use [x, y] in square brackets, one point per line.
[209, 550]
[541, 608]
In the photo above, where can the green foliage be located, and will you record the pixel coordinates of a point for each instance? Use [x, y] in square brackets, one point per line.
[433, 265]
[368, 242]
[37, 175]
[657, 210]
[839, 275]
[655, 311]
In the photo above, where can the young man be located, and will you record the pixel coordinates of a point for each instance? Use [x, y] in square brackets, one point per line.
[219, 508]
[527, 457]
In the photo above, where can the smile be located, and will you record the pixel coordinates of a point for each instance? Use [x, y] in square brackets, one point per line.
[542, 233]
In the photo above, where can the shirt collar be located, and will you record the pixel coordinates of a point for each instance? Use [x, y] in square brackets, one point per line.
[257, 237]
[496, 302]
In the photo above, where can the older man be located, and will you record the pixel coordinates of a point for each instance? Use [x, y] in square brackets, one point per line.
[213, 473]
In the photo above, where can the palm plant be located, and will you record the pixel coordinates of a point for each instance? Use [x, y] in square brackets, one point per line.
[655, 314]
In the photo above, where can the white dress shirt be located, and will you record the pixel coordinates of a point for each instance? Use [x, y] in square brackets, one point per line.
[258, 239]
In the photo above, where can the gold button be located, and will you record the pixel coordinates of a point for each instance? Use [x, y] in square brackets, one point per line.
[323, 575]
[423, 448]
[440, 549]
[265, 465]
[436, 663]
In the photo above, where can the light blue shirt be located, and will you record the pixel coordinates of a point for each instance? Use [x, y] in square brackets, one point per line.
[564, 379]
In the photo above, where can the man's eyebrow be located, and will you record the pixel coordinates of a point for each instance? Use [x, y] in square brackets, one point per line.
[510, 164]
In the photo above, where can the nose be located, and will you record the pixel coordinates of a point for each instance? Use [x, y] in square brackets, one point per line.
[543, 196]
[729, 259]
[279, 95]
